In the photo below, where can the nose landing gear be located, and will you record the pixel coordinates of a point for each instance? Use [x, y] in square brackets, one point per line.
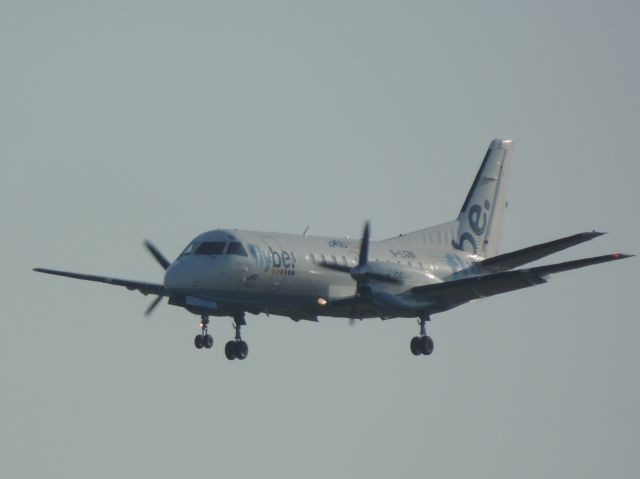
[422, 344]
[237, 348]
[204, 340]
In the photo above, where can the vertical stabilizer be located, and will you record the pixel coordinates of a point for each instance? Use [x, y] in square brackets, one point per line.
[480, 219]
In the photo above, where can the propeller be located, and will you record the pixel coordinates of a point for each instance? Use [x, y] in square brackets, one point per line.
[362, 272]
[153, 305]
[352, 321]
[155, 252]
[364, 246]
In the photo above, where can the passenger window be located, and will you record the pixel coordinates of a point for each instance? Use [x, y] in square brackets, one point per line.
[237, 249]
[211, 247]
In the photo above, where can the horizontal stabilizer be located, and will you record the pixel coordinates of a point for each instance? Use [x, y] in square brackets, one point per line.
[453, 293]
[144, 288]
[508, 261]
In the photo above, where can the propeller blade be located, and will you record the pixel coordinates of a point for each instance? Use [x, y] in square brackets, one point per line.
[382, 277]
[153, 305]
[157, 254]
[364, 246]
[335, 267]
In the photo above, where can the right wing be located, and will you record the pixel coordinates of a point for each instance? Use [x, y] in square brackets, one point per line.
[144, 288]
[448, 294]
[508, 261]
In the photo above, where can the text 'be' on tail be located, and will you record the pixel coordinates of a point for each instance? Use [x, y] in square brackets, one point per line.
[480, 219]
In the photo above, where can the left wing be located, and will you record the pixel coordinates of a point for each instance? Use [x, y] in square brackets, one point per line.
[453, 293]
[509, 261]
[439, 297]
[144, 288]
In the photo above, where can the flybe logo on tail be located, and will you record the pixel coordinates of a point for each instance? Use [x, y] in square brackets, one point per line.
[280, 262]
[476, 221]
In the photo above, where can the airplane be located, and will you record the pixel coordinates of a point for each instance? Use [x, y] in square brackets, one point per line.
[230, 272]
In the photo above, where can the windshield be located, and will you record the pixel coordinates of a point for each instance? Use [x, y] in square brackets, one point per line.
[236, 248]
[211, 247]
[188, 250]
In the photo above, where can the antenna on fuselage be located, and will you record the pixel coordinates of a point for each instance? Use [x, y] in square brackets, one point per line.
[306, 230]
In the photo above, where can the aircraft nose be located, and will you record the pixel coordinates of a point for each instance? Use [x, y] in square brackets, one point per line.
[175, 278]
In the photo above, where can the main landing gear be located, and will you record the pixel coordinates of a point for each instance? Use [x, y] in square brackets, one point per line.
[237, 348]
[204, 340]
[422, 344]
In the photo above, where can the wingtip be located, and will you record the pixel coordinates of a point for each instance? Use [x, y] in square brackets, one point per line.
[622, 255]
[504, 143]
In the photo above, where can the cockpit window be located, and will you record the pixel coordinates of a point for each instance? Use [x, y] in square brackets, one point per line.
[188, 250]
[237, 249]
[211, 247]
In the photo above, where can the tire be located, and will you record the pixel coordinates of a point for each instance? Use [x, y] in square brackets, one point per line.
[426, 345]
[208, 341]
[416, 346]
[242, 349]
[230, 350]
[198, 341]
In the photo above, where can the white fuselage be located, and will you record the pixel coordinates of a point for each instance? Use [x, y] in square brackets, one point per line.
[281, 273]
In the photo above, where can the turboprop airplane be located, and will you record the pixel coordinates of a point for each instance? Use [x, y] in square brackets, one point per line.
[414, 275]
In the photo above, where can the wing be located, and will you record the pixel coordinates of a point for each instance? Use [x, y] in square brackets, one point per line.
[144, 288]
[440, 297]
[508, 261]
[453, 293]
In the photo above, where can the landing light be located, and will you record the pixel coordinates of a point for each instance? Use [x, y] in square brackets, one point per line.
[322, 301]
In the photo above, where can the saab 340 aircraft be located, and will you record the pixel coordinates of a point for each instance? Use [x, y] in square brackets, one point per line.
[414, 275]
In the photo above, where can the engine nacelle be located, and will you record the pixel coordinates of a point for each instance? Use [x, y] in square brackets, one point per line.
[364, 291]
[386, 285]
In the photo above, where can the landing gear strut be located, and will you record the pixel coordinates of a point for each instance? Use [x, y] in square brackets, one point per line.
[204, 340]
[422, 344]
[237, 348]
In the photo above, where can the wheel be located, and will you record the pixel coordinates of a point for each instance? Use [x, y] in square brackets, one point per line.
[207, 341]
[242, 349]
[230, 350]
[198, 341]
[426, 345]
[415, 345]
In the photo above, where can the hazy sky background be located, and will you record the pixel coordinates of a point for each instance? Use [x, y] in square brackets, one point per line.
[122, 121]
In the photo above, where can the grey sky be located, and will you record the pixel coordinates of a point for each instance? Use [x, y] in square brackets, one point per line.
[130, 120]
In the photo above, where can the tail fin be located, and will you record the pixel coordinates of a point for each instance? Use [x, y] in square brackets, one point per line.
[478, 226]
[480, 219]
